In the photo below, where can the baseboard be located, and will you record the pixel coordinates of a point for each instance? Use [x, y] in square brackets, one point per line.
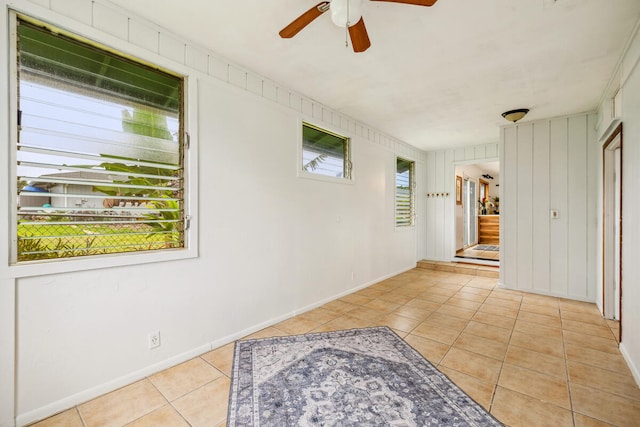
[545, 293]
[93, 392]
[86, 395]
[349, 291]
[632, 367]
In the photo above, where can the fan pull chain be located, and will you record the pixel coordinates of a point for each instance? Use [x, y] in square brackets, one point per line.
[346, 27]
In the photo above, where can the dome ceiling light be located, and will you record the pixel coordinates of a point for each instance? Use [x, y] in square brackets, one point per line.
[515, 115]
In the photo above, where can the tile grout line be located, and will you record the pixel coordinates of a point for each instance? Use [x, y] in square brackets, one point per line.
[495, 389]
[80, 416]
[448, 282]
[566, 367]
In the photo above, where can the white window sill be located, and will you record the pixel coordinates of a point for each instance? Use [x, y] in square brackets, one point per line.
[68, 265]
[325, 178]
[405, 228]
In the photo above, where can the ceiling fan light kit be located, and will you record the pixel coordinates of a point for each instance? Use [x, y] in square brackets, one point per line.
[345, 14]
[515, 115]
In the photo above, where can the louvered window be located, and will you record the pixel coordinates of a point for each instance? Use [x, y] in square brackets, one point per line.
[99, 151]
[405, 183]
[325, 153]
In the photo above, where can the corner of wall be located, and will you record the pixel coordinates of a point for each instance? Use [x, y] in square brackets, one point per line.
[635, 371]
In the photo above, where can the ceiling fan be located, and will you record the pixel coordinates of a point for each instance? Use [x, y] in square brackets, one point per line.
[346, 14]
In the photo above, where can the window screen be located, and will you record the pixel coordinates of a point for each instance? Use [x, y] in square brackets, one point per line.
[99, 151]
[325, 153]
[404, 192]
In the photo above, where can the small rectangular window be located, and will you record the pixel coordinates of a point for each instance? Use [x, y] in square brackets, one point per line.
[99, 151]
[405, 183]
[325, 153]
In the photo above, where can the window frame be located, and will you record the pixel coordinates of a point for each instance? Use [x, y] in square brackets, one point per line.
[412, 196]
[484, 187]
[190, 172]
[348, 161]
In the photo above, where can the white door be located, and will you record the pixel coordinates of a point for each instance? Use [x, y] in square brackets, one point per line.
[470, 208]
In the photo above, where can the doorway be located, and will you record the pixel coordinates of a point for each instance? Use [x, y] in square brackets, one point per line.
[612, 227]
[476, 212]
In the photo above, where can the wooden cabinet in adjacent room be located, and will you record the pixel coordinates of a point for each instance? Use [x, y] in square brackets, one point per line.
[489, 229]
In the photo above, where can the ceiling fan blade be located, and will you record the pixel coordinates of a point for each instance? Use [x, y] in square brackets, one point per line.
[359, 37]
[416, 2]
[303, 20]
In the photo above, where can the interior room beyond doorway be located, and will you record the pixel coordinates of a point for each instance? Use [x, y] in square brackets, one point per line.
[477, 212]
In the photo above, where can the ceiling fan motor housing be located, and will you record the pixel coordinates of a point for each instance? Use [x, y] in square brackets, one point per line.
[346, 12]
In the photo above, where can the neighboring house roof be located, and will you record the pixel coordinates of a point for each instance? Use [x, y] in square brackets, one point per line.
[79, 175]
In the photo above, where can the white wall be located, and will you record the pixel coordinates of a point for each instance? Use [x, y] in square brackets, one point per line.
[550, 165]
[627, 86]
[270, 244]
[440, 211]
[537, 174]
[557, 164]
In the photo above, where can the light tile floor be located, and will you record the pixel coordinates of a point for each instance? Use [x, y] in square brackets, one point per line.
[529, 359]
[474, 252]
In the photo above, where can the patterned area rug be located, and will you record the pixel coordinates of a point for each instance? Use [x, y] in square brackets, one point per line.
[486, 248]
[358, 377]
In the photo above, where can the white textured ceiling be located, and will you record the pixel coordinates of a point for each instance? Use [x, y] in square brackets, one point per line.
[434, 77]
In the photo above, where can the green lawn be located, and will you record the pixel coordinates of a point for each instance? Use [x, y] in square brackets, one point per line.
[52, 240]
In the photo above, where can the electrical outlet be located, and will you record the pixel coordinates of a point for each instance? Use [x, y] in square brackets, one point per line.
[154, 339]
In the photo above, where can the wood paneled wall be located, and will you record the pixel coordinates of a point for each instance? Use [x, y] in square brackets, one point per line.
[440, 215]
[550, 165]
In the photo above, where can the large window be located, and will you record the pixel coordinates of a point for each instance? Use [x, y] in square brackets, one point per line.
[99, 151]
[405, 183]
[325, 153]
